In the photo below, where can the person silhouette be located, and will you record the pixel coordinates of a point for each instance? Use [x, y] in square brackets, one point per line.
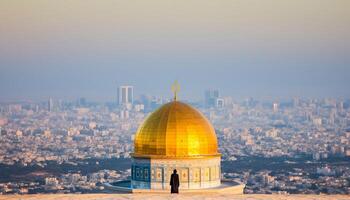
[174, 182]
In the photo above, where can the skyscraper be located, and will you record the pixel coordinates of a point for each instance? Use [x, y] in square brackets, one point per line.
[50, 105]
[125, 95]
[275, 107]
[210, 97]
[220, 103]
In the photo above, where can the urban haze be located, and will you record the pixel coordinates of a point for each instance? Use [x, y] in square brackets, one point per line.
[245, 48]
[77, 79]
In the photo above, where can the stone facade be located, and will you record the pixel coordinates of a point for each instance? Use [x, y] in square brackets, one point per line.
[194, 173]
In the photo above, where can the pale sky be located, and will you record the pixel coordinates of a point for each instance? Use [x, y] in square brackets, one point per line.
[73, 48]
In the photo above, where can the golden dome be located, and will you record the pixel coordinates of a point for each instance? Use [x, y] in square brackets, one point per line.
[176, 130]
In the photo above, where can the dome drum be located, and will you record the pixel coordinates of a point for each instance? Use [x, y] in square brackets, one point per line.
[193, 173]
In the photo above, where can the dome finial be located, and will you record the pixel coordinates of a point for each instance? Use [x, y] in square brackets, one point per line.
[175, 88]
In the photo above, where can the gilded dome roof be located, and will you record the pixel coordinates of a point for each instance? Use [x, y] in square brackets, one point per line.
[176, 130]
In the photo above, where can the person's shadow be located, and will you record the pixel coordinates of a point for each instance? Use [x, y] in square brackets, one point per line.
[174, 182]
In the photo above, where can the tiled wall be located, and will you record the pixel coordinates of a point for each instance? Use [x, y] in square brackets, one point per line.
[193, 173]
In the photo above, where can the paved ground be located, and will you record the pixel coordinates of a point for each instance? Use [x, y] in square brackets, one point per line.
[169, 196]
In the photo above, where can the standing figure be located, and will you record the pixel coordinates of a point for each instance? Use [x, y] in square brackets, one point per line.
[174, 182]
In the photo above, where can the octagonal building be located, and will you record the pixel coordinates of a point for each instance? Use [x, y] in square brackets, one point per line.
[175, 136]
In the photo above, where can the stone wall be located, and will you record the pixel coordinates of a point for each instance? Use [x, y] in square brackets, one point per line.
[195, 173]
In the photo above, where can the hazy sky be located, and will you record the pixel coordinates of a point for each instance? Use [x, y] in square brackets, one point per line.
[278, 48]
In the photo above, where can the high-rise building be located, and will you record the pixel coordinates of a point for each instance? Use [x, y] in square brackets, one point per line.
[340, 106]
[275, 107]
[82, 102]
[50, 105]
[125, 95]
[296, 102]
[220, 103]
[15, 108]
[210, 97]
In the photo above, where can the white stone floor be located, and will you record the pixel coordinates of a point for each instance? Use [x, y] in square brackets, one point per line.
[171, 197]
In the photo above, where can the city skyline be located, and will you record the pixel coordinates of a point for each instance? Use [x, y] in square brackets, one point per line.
[295, 147]
[73, 49]
[227, 98]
